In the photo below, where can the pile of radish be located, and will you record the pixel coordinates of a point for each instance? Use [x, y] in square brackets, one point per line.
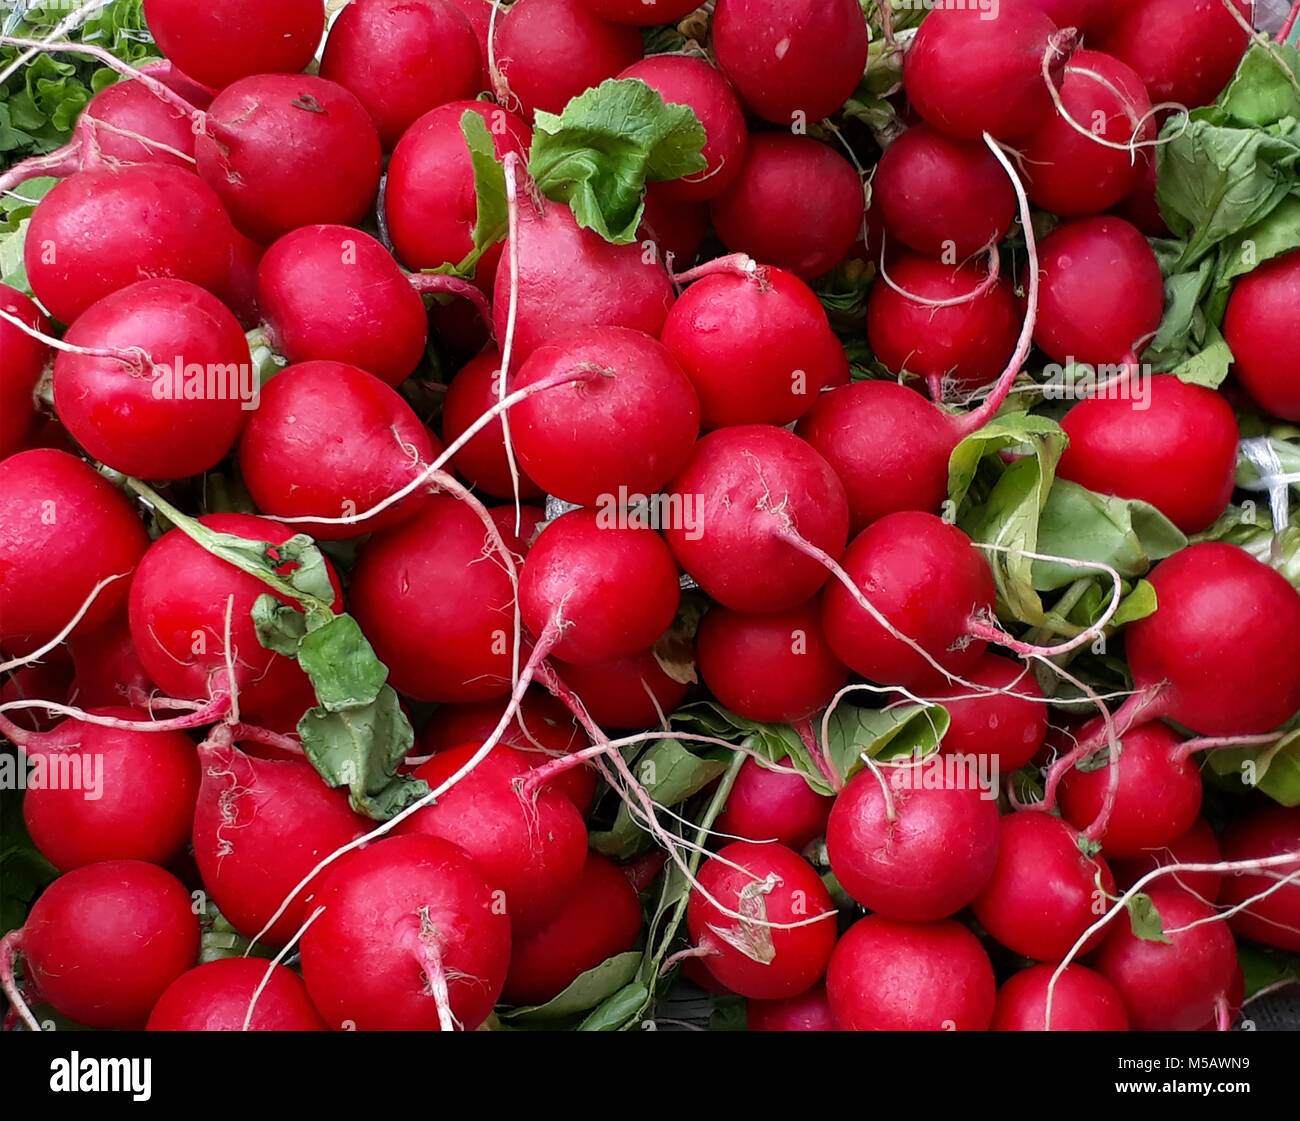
[539, 515]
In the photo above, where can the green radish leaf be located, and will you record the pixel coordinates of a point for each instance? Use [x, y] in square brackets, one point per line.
[777, 743]
[588, 990]
[1265, 88]
[619, 1010]
[901, 732]
[1273, 769]
[1145, 920]
[342, 664]
[489, 185]
[279, 627]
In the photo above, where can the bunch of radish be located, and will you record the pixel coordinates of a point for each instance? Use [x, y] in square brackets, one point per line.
[455, 519]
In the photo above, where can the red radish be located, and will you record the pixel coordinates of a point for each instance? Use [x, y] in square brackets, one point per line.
[758, 347]
[47, 680]
[571, 279]
[684, 80]
[429, 199]
[642, 13]
[627, 420]
[552, 50]
[753, 488]
[775, 667]
[217, 45]
[964, 345]
[108, 666]
[1157, 800]
[1073, 173]
[1275, 919]
[928, 580]
[1102, 292]
[600, 918]
[810, 1011]
[450, 647]
[332, 292]
[330, 440]
[1184, 50]
[482, 461]
[610, 590]
[63, 529]
[1044, 893]
[22, 361]
[797, 204]
[770, 805]
[260, 827]
[1177, 449]
[793, 61]
[769, 885]
[135, 799]
[411, 939]
[196, 93]
[1081, 1001]
[1008, 721]
[1255, 327]
[103, 942]
[529, 846]
[1174, 985]
[479, 14]
[942, 196]
[1085, 15]
[528, 521]
[632, 692]
[898, 976]
[216, 996]
[179, 602]
[99, 231]
[287, 151]
[919, 851]
[429, 43]
[672, 226]
[240, 291]
[1197, 846]
[1140, 206]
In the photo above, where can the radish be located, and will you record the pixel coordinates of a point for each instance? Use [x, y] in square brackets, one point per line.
[1255, 327]
[1044, 893]
[897, 976]
[261, 825]
[63, 530]
[180, 599]
[632, 692]
[155, 380]
[1197, 846]
[22, 361]
[1275, 919]
[102, 943]
[1174, 985]
[767, 884]
[600, 918]
[794, 61]
[942, 196]
[429, 43]
[219, 44]
[774, 668]
[797, 204]
[628, 422]
[240, 291]
[608, 591]
[329, 439]
[1081, 1001]
[757, 346]
[108, 666]
[909, 847]
[1085, 15]
[571, 279]
[1003, 716]
[482, 461]
[479, 14]
[429, 199]
[332, 292]
[684, 80]
[1075, 173]
[1184, 50]
[971, 71]
[771, 805]
[98, 232]
[286, 151]
[450, 647]
[642, 13]
[810, 1011]
[1177, 450]
[1157, 799]
[1102, 292]
[216, 996]
[135, 799]
[672, 226]
[549, 51]
[410, 938]
[529, 521]
[49, 680]
[1140, 206]
[963, 345]
[756, 488]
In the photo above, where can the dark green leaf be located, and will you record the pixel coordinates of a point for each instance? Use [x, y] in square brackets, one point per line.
[342, 664]
[591, 988]
[279, 627]
[1145, 920]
